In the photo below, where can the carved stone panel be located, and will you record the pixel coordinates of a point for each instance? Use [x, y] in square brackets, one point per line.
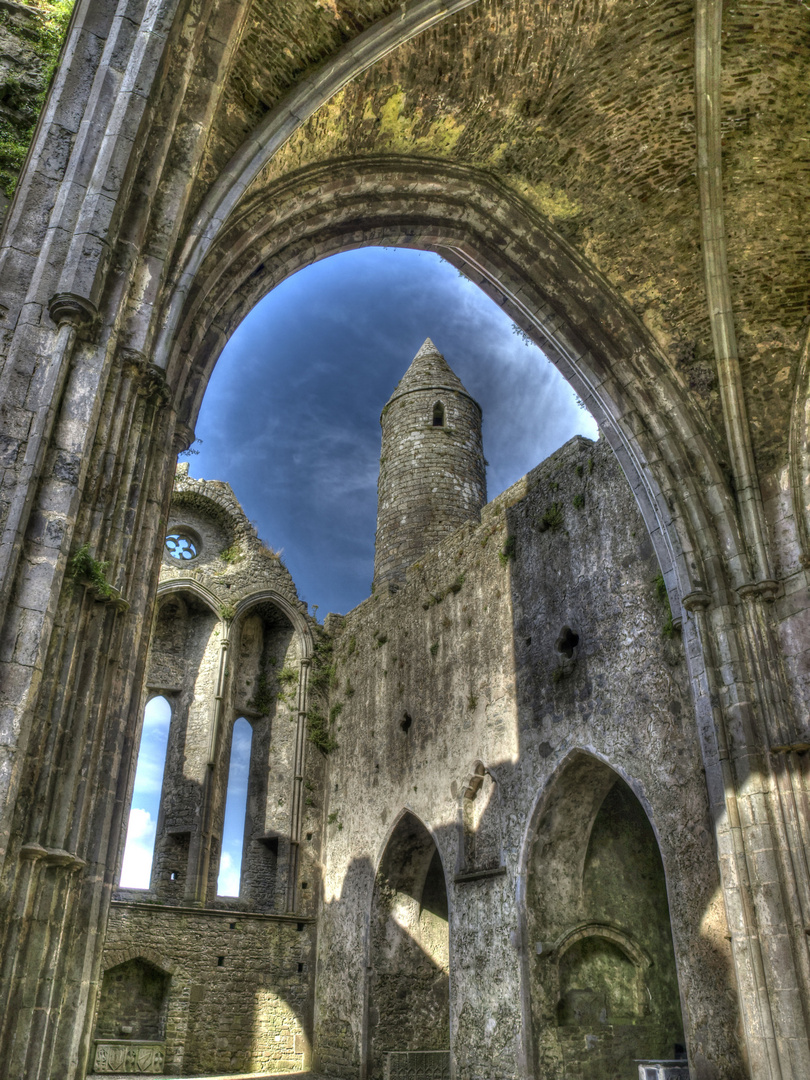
[125, 1056]
[417, 1065]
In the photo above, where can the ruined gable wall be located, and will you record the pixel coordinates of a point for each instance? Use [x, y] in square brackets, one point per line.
[241, 969]
[460, 666]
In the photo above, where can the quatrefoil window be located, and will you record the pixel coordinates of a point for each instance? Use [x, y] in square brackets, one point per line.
[182, 547]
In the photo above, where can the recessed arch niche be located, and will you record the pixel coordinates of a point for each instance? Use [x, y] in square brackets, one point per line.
[601, 970]
[409, 957]
[133, 1001]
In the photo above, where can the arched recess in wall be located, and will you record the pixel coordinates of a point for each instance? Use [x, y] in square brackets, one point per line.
[497, 240]
[130, 1022]
[409, 960]
[600, 970]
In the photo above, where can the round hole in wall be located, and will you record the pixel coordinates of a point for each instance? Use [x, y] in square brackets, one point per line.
[182, 545]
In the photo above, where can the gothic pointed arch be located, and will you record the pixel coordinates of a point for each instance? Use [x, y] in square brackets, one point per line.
[597, 917]
[409, 962]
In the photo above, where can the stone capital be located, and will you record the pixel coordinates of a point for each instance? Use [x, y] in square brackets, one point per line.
[153, 383]
[763, 590]
[696, 601]
[183, 438]
[131, 360]
[71, 309]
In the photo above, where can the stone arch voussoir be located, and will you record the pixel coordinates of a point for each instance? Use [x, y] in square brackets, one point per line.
[664, 445]
[115, 957]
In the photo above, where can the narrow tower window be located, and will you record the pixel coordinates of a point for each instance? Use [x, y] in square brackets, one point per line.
[139, 849]
[233, 829]
[438, 414]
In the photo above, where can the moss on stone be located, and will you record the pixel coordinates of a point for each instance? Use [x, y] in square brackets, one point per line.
[23, 91]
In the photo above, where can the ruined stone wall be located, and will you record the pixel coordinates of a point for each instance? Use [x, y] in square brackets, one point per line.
[184, 659]
[236, 972]
[455, 680]
[240, 985]
[583, 114]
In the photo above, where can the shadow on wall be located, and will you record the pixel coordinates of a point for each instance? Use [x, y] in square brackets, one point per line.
[409, 982]
[604, 986]
[599, 664]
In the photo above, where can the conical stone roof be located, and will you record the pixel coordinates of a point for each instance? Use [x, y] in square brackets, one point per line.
[428, 371]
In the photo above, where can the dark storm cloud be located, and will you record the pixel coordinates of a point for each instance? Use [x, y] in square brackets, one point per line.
[291, 416]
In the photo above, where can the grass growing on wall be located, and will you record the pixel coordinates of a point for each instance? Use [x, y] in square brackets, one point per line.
[24, 93]
[84, 568]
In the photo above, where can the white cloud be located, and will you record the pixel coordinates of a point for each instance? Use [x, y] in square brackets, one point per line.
[228, 880]
[137, 863]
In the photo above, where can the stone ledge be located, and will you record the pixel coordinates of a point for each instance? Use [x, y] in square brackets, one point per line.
[223, 912]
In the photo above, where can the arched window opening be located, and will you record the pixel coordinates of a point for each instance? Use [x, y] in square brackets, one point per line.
[139, 850]
[438, 414]
[233, 829]
[241, 401]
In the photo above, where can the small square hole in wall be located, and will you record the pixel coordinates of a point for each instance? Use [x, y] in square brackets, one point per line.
[300, 967]
[309, 836]
[173, 876]
[232, 925]
[220, 961]
[304, 884]
[299, 926]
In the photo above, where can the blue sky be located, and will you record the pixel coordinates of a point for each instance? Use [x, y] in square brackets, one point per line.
[140, 845]
[291, 421]
[291, 415]
[233, 829]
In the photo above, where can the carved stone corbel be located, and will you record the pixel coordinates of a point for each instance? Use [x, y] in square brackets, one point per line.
[71, 309]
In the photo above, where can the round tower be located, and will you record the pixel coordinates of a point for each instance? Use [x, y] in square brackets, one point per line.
[432, 476]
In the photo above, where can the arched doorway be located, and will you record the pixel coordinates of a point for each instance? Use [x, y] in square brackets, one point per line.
[601, 964]
[409, 958]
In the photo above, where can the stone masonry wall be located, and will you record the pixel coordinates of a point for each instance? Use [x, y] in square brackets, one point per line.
[432, 479]
[239, 970]
[240, 989]
[459, 670]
